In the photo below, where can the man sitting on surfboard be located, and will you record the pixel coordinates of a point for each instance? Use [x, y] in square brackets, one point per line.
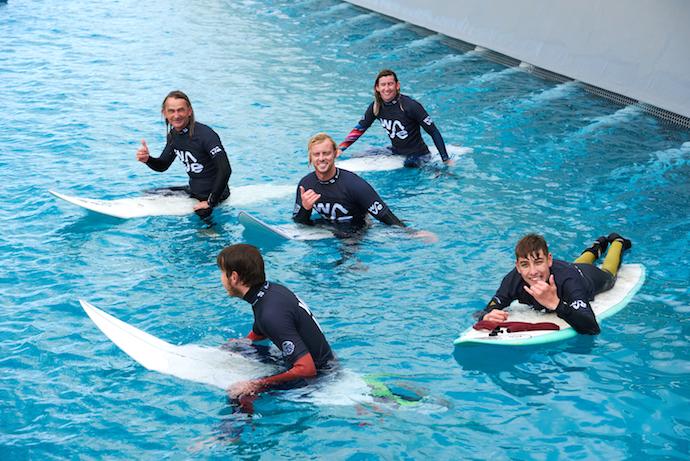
[342, 198]
[198, 147]
[401, 117]
[280, 316]
[565, 288]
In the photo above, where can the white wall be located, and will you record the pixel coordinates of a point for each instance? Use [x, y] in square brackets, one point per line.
[638, 48]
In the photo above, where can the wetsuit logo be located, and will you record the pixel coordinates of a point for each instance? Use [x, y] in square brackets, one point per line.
[394, 128]
[190, 162]
[578, 304]
[330, 211]
[288, 348]
[375, 208]
[215, 151]
[428, 120]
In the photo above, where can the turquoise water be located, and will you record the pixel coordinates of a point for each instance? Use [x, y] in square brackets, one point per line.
[82, 85]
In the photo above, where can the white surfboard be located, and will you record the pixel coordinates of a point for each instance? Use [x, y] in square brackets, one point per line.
[380, 159]
[215, 366]
[176, 204]
[630, 279]
[282, 232]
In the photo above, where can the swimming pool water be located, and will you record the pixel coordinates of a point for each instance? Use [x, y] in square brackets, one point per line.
[81, 85]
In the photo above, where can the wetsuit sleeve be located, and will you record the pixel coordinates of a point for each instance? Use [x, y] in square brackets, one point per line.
[282, 329]
[164, 161]
[359, 129]
[215, 150]
[419, 114]
[575, 309]
[367, 198]
[299, 213]
[503, 296]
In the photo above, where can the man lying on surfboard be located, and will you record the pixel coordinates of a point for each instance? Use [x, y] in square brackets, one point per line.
[342, 198]
[279, 316]
[401, 117]
[557, 286]
[198, 147]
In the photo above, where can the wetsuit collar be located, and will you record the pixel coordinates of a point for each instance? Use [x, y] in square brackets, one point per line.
[333, 179]
[392, 102]
[256, 292]
[185, 130]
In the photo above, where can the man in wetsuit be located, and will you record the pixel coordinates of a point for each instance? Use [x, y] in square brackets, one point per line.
[401, 117]
[556, 286]
[342, 198]
[198, 147]
[280, 316]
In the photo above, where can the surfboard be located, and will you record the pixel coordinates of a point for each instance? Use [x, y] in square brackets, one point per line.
[630, 279]
[381, 159]
[174, 204]
[216, 366]
[282, 232]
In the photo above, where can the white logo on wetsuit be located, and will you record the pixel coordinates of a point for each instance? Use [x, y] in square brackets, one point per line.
[330, 211]
[394, 128]
[375, 208]
[288, 347]
[578, 304]
[428, 120]
[190, 162]
[215, 151]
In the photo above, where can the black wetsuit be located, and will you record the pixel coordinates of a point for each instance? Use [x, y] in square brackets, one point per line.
[345, 201]
[204, 159]
[283, 318]
[401, 118]
[576, 285]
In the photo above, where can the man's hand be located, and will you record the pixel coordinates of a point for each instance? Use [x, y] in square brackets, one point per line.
[449, 162]
[243, 388]
[309, 198]
[143, 152]
[545, 293]
[201, 205]
[496, 315]
[427, 236]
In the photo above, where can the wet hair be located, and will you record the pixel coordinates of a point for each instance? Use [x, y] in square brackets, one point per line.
[378, 100]
[319, 138]
[245, 260]
[177, 94]
[531, 245]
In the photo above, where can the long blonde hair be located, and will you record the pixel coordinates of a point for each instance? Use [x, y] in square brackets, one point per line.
[378, 101]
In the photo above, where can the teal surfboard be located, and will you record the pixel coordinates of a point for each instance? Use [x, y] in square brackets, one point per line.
[280, 233]
[630, 279]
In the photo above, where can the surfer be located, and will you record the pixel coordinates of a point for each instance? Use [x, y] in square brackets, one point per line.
[342, 198]
[198, 147]
[401, 117]
[279, 316]
[557, 286]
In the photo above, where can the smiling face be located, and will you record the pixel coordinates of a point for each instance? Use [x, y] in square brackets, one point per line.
[322, 155]
[177, 112]
[387, 88]
[534, 267]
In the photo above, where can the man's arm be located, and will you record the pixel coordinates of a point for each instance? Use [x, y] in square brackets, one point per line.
[223, 170]
[501, 299]
[359, 129]
[159, 164]
[573, 306]
[422, 117]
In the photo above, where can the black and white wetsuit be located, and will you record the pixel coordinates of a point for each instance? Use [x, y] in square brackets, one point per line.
[286, 320]
[204, 159]
[576, 285]
[345, 201]
[402, 119]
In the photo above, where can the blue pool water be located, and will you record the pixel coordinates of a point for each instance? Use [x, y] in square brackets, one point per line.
[82, 85]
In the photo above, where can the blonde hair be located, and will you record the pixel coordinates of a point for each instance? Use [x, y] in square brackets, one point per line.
[319, 138]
